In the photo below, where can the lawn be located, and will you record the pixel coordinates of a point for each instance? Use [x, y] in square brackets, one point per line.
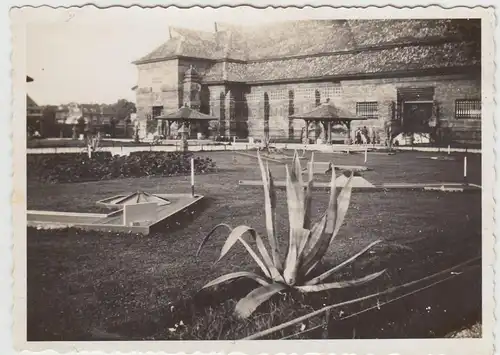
[85, 284]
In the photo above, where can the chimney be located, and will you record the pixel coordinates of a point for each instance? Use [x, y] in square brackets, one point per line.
[170, 32]
[215, 23]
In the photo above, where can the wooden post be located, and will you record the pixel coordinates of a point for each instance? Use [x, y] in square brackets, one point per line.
[307, 131]
[465, 169]
[192, 177]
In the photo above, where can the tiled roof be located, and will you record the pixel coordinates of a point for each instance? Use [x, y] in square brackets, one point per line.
[325, 47]
[30, 102]
[364, 62]
[186, 113]
[329, 111]
[376, 32]
[293, 38]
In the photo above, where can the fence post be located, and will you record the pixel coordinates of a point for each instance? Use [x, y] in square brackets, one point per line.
[327, 324]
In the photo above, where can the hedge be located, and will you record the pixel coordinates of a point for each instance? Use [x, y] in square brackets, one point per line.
[55, 168]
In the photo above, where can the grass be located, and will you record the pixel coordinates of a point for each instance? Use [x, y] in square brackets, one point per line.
[86, 285]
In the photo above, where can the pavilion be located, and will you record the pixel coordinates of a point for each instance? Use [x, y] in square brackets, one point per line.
[186, 117]
[328, 114]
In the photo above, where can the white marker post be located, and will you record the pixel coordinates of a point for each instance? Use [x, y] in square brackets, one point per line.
[465, 169]
[366, 155]
[192, 177]
[449, 149]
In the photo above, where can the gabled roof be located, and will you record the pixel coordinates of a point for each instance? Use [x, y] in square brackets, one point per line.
[318, 48]
[328, 111]
[30, 102]
[187, 114]
[305, 37]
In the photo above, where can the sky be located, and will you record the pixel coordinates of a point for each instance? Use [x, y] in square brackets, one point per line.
[85, 55]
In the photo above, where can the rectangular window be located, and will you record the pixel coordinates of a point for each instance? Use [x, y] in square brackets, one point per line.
[367, 109]
[157, 111]
[465, 109]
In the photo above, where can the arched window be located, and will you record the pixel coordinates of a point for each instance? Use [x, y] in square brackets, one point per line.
[317, 97]
[291, 111]
[266, 115]
[222, 114]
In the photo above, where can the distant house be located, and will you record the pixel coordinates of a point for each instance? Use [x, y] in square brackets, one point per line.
[33, 114]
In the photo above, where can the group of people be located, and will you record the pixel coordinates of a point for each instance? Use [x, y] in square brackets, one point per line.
[363, 136]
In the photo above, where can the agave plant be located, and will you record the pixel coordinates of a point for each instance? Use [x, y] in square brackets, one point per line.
[308, 242]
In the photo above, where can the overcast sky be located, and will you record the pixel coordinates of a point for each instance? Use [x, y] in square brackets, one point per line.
[85, 55]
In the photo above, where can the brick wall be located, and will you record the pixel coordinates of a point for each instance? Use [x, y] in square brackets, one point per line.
[157, 85]
[447, 89]
[304, 99]
[160, 84]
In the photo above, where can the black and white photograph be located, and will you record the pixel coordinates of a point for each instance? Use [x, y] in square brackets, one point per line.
[242, 173]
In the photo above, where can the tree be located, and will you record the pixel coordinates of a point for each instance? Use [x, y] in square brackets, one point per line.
[49, 121]
[122, 109]
[112, 124]
[81, 125]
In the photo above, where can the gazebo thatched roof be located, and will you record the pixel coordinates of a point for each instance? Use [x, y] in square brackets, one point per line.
[328, 112]
[186, 114]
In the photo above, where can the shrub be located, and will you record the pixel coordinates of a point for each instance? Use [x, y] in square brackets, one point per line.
[54, 168]
[307, 245]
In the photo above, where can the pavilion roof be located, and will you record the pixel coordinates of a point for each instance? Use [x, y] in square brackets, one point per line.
[328, 111]
[187, 114]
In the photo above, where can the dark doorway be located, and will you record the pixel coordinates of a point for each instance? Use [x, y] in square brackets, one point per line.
[157, 111]
[267, 110]
[416, 116]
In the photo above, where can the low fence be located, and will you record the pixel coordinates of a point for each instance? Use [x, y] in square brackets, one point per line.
[462, 268]
[126, 150]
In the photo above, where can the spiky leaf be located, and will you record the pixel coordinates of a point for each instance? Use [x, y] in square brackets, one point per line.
[330, 272]
[343, 204]
[296, 219]
[236, 235]
[320, 239]
[308, 196]
[340, 284]
[246, 306]
[270, 211]
[236, 275]
[207, 237]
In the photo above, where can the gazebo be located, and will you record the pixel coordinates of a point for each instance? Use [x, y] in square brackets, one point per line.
[327, 114]
[185, 117]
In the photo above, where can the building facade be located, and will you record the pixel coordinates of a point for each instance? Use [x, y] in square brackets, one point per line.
[423, 75]
[34, 115]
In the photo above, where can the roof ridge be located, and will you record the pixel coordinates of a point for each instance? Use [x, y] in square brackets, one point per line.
[179, 29]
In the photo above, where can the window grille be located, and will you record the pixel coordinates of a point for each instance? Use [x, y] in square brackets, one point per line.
[304, 94]
[468, 109]
[367, 109]
[331, 91]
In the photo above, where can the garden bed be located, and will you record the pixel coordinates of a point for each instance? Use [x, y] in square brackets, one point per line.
[54, 168]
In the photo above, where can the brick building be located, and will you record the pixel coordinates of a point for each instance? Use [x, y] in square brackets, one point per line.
[419, 74]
